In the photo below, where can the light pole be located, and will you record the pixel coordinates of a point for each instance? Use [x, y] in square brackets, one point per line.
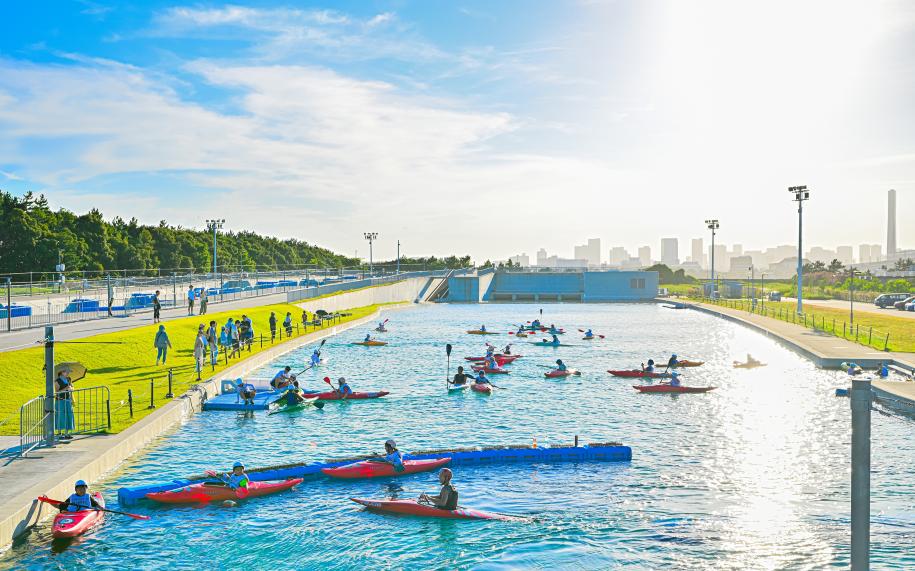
[398, 256]
[851, 297]
[800, 195]
[371, 237]
[752, 287]
[713, 226]
[213, 226]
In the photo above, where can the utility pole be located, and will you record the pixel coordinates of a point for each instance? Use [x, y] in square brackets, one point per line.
[213, 226]
[49, 385]
[800, 195]
[860, 474]
[371, 237]
[851, 297]
[398, 256]
[713, 226]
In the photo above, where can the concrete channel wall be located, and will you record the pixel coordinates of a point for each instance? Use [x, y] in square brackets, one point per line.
[92, 458]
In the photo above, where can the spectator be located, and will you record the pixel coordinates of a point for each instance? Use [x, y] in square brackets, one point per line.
[204, 299]
[236, 339]
[248, 336]
[157, 307]
[304, 318]
[190, 299]
[287, 323]
[225, 338]
[272, 326]
[212, 340]
[162, 344]
[63, 409]
[200, 348]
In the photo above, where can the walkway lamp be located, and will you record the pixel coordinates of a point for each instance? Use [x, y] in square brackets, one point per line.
[371, 237]
[213, 226]
[800, 195]
[713, 226]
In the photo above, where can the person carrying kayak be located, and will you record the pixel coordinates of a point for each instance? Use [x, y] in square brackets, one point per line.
[282, 379]
[246, 391]
[343, 389]
[392, 455]
[560, 366]
[447, 498]
[460, 378]
[80, 500]
[237, 477]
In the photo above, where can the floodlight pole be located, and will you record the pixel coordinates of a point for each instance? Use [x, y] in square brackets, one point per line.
[800, 195]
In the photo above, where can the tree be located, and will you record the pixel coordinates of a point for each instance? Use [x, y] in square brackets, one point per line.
[904, 265]
[835, 266]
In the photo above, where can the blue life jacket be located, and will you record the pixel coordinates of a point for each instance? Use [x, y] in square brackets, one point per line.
[78, 502]
[345, 390]
[291, 398]
[236, 481]
[396, 458]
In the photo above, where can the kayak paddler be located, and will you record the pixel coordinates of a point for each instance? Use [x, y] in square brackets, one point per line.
[490, 362]
[483, 328]
[649, 368]
[447, 498]
[80, 500]
[555, 342]
[294, 397]
[460, 378]
[237, 477]
[672, 362]
[553, 329]
[343, 389]
[368, 338]
[282, 379]
[884, 371]
[380, 327]
[507, 350]
[560, 366]
[675, 379]
[481, 378]
[535, 324]
[589, 334]
[246, 391]
[315, 358]
[392, 455]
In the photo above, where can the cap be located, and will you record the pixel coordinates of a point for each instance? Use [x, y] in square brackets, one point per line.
[237, 465]
[81, 483]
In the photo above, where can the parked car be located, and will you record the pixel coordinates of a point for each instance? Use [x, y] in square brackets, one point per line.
[775, 296]
[888, 299]
[900, 305]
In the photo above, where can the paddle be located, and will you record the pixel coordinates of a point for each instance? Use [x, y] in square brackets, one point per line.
[583, 331]
[323, 341]
[381, 327]
[240, 492]
[448, 370]
[342, 396]
[48, 500]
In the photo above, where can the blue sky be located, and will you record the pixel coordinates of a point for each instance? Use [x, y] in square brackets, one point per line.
[482, 127]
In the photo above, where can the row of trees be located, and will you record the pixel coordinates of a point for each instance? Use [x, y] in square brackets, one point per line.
[836, 266]
[32, 236]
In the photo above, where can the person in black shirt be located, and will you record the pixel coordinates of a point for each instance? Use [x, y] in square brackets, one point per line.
[447, 498]
[461, 378]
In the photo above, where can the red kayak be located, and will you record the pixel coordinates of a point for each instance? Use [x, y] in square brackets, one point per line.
[481, 388]
[554, 374]
[638, 373]
[670, 389]
[412, 507]
[500, 359]
[370, 469]
[490, 371]
[211, 491]
[332, 395]
[71, 524]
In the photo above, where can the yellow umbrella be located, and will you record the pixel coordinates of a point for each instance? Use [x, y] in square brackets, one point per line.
[77, 370]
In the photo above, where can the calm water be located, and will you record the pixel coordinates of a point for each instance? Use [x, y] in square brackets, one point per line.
[752, 475]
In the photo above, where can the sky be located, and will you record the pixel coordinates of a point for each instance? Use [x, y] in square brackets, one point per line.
[468, 127]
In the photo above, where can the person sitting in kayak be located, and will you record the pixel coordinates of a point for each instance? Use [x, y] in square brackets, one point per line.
[315, 358]
[535, 324]
[483, 328]
[447, 498]
[675, 379]
[237, 477]
[81, 500]
[560, 366]
[672, 362]
[589, 334]
[553, 330]
[246, 391]
[294, 396]
[852, 369]
[461, 378]
[368, 338]
[481, 378]
[490, 362]
[507, 350]
[392, 455]
[282, 379]
[380, 327]
[555, 342]
[649, 368]
[884, 371]
[343, 388]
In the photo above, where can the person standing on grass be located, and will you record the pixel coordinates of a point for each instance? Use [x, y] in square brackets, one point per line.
[304, 318]
[63, 410]
[212, 340]
[248, 337]
[236, 338]
[157, 307]
[200, 348]
[162, 344]
[272, 326]
[203, 301]
[190, 299]
[287, 323]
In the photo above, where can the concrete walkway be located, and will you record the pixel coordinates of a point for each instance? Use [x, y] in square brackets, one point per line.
[21, 339]
[825, 349]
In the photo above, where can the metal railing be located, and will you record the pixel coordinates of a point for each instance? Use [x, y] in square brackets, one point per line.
[32, 417]
[86, 411]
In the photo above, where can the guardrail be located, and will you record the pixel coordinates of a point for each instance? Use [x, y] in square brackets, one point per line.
[32, 417]
[81, 411]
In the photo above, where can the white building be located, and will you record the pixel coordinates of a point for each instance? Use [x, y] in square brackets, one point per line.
[522, 260]
[845, 254]
[618, 255]
[670, 252]
[541, 257]
[589, 252]
[645, 255]
[698, 252]
[737, 250]
[818, 254]
[721, 258]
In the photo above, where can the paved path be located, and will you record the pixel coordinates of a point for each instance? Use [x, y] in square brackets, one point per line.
[66, 331]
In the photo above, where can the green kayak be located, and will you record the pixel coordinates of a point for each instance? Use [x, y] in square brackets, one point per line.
[550, 344]
[296, 407]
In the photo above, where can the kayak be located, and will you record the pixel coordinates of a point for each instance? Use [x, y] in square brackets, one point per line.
[490, 371]
[478, 332]
[638, 373]
[412, 507]
[380, 330]
[370, 469]
[556, 373]
[291, 407]
[556, 332]
[481, 388]
[549, 344]
[670, 389]
[454, 389]
[591, 338]
[521, 335]
[303, 392]
[500, 359]
[685, 363]
[71, 524]
[370, 343]
[748, 365]
[332, 395]
[212, 491]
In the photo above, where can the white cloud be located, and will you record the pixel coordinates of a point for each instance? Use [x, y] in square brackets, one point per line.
[381, 19]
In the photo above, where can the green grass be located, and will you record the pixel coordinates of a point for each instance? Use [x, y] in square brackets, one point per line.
[126, 360]
[870, 328]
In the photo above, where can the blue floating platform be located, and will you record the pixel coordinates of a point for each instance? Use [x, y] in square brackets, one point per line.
[492, 455]
[230, 401]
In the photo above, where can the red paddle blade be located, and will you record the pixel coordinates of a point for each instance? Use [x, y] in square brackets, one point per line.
[48, 500]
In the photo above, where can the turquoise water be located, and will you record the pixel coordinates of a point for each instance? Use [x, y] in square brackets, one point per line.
[752, 475]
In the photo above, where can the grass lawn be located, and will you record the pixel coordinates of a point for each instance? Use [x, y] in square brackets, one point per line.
[126, 360]
[901, 330]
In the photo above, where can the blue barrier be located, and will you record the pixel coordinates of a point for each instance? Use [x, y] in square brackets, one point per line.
[17, 311]
[611, 452]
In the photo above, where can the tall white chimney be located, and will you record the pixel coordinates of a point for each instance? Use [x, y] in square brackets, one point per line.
[891, 226]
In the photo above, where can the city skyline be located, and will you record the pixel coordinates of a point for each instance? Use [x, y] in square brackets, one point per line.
[398, 117]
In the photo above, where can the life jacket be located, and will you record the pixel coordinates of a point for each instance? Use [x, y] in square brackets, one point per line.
[452, 502]
[236, 481]
[78, 502]
[396, 458]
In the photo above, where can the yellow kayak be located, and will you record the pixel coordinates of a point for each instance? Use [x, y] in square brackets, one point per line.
[738, 365]
[478, 332]
[370, 343]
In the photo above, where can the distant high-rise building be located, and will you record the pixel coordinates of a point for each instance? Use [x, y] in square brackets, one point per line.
[589, 252]
[818, 254]
[645, 255]
[697, 253]
[740, 264]
[541, 257]
[737, 250]
[864, 253]
[722, 259]
[891, 225]
[876, 252]
[845, 254]
[618, 255]
[522, 260]
[670, 252]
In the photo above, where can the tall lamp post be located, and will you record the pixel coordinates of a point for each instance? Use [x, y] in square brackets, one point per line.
[713, 226]
[371, 237]
[800, 195]
[398, 256]
[213, 226]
